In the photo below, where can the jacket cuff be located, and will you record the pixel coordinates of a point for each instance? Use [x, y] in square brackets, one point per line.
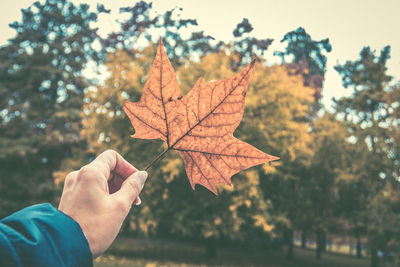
[44, 236]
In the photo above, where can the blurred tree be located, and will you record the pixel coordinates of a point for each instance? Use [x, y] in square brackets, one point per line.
[144, 26]
[41, 86]
[245, 46]
[306, 57]
[277, 106]
[329, 157]
[353, 192]
[393, 107]
[369, 114]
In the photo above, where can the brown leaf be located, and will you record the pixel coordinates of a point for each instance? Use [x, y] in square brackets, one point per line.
[199, 125]
[151, 114]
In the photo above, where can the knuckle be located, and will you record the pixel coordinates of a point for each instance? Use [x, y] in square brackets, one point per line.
[69, 179]
[88, 173]
[85, 170]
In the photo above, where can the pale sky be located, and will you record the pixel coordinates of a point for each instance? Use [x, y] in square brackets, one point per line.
[349, 24]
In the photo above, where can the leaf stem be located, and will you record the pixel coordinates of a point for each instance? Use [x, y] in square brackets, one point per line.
[156, 158]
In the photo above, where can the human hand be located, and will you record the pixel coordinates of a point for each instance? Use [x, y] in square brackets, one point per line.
[99, 197]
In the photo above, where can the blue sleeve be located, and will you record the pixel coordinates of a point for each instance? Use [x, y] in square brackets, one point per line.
[41, 235]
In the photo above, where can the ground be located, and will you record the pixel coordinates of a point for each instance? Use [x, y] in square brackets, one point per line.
[151, 253]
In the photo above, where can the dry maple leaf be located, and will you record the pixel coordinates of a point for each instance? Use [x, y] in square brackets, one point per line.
[199, 125]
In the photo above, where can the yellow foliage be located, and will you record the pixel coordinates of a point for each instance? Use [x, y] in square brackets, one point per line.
[217, 221]
[102, 105]
[270, 167]
[59, 177]
[172, 169]
[278, 104]
[262, 223]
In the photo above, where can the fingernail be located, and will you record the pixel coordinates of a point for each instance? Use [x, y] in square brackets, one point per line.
[138, 202]
[142, 177]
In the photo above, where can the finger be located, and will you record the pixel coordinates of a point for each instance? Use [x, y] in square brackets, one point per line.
[131, 188]
[109, 161]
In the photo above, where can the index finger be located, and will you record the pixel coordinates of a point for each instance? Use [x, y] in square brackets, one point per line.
[111, 160]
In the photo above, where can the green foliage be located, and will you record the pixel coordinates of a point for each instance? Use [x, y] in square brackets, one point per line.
[41, 88]
[371, 119]
[306, 56]
[245, 46]
[141, 25]
[302, 48]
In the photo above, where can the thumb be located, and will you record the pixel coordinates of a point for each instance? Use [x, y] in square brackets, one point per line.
[131, 187]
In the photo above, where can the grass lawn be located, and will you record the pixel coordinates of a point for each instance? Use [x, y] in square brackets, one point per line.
[151, 253]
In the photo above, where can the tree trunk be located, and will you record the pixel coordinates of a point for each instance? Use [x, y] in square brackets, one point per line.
[358, 247]
[323, 241]
[350, 247]
[319, 250]
[374, 256]
[290, 244]
[304, 239]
